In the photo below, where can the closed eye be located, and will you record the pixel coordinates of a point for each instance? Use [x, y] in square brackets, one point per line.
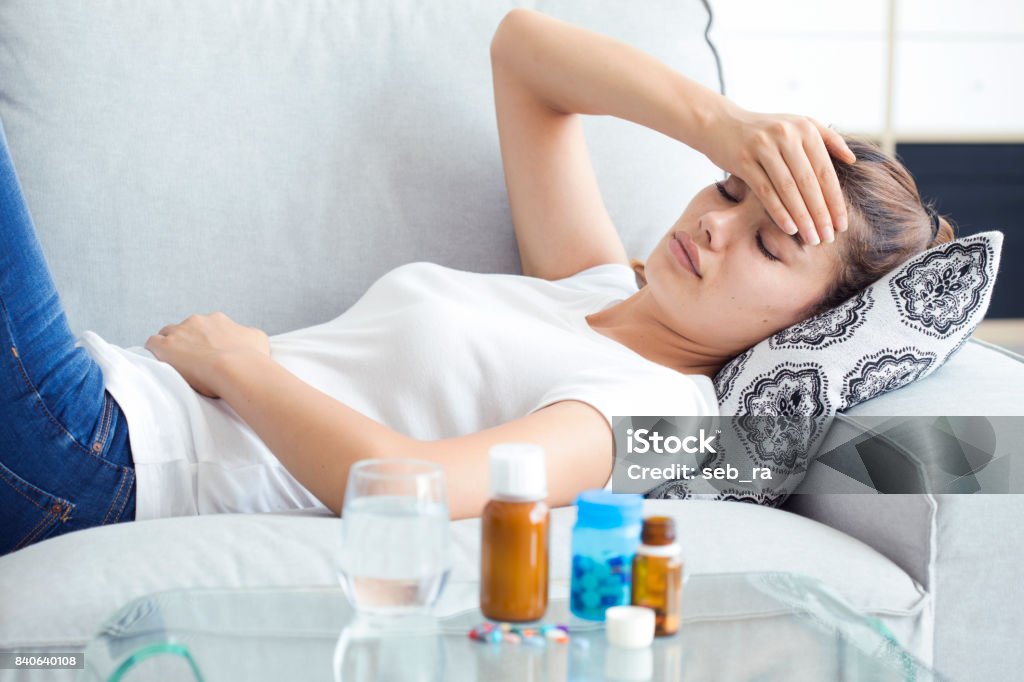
[720, 186]
[768, 254]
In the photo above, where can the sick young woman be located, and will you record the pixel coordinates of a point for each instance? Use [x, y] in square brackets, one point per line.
[439, 364]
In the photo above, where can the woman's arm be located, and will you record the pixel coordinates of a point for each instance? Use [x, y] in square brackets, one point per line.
[783, 158]
[318, 438]
[546, 74]
[573, 70]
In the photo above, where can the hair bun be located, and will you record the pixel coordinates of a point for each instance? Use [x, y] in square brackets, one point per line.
[945, 233]
[933, 218]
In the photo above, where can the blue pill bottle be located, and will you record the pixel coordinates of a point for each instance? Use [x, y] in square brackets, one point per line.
[604, 540]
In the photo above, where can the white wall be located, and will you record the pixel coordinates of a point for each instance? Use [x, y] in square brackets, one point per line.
[957, 67]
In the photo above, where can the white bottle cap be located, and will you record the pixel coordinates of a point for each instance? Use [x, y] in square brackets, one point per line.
[631, 627]
[517, 472]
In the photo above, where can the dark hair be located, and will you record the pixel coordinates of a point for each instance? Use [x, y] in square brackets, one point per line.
[889, 224]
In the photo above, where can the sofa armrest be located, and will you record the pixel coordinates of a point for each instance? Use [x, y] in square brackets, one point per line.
[965, 550]
[901, 527]
[946, 446]
[979, 549]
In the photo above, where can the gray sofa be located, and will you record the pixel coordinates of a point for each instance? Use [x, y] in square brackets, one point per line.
[271, 159]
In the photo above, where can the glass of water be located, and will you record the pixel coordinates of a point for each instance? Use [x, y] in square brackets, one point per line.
[395, 536]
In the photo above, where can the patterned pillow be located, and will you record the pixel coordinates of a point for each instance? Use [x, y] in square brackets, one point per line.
[785, 390]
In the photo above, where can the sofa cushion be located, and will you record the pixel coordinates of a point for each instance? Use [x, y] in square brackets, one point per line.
[110, 565]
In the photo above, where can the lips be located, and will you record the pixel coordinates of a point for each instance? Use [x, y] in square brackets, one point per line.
[690, 249]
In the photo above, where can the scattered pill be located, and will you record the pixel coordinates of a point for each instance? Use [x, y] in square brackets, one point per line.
[582, 644]
[510, 634]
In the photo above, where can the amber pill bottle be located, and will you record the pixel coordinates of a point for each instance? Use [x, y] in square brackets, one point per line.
[658, 574]
[514, 536]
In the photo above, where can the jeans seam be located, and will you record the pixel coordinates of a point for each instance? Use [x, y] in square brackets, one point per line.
[5, 319]
[108, 416]
[114, 501]
[41, 404]
[40, 527]
[13, 486]
[120, 512]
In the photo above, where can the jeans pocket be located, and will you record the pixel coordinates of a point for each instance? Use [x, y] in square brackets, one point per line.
[29, 514]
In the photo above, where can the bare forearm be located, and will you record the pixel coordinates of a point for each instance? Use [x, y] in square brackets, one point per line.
[316, 437]
[574, 70]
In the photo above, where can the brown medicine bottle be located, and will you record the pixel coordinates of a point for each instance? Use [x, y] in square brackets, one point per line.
[658, 574]
[514, 536]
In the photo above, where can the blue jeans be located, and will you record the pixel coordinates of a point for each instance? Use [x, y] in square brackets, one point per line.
[65, 460]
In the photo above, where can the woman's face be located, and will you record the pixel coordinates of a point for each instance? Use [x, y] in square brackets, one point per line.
[743, 295]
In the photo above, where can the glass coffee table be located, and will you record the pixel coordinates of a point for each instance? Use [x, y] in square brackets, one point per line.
[740, 626]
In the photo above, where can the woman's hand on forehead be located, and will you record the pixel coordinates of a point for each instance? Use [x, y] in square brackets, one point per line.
[786, 160]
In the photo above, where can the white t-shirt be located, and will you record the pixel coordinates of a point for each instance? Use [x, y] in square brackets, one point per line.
[428, 350]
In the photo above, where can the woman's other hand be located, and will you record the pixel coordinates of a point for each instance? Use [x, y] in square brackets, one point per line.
[785, 160]
[194, 346]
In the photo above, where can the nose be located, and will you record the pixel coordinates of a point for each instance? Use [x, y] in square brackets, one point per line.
[717, 228]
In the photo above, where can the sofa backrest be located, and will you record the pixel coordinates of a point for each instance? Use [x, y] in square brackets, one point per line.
[272, 158]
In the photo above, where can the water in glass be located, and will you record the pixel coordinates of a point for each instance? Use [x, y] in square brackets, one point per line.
[395, 537]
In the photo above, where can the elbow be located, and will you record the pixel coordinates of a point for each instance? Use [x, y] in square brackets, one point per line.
[512, 18]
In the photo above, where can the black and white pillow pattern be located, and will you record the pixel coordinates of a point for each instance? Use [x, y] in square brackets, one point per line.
[786, 389]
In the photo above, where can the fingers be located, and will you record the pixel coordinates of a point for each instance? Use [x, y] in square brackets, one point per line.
[154, 343]
[815, 212]
[193, 319]
[788, 190]
[828, 184]
[834, 142]
[803, 186]
[820, 152]
[763, 187]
